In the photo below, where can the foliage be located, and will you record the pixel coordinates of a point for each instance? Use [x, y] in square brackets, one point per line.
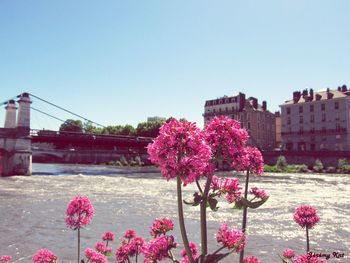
[318, 166]
[71, 126]
[302, 168]
[281, 163]
[149, 129]
[343, 166]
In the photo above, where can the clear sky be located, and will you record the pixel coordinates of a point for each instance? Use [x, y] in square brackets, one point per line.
[118, 62]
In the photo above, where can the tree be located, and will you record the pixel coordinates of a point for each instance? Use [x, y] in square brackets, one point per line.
[71, 126]
[88, 127]
[149, 129]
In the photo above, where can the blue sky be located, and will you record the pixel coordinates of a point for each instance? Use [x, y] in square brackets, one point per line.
[118, 62]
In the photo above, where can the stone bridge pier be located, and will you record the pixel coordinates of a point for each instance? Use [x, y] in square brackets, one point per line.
[15, 141]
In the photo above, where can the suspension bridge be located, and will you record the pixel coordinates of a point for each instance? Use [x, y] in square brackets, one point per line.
[20, 145]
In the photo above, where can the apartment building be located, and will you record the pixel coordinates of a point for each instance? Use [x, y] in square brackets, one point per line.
[315, 121]
[259, 122]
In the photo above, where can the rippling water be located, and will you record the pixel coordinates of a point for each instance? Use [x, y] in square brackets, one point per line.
[32, 210]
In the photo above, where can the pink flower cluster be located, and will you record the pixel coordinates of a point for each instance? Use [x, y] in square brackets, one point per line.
[5, 259]
[158, 249]
[130, 233]
[306, 216]
[231, 239]
[289, 253]
[44, 256]
[161, 226]
[258, 193]
[228, 186]
[306, 258]
[255, 160]
[180, 149]
[194, 250]
[252, 259]
[226, 139]
[129, 248]
[79, 212]
[103, 249]
[108, 236]
[94, 257]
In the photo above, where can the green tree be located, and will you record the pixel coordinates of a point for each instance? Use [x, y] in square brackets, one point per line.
[88, 127]
[281, 163]
[149, 129]
[128, 130]
[72, 126]
[318, 166]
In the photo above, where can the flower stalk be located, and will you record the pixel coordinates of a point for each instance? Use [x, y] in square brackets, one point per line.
[245, 212]
[182, 221]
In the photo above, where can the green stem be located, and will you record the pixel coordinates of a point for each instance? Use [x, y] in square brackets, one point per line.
[199, 187]
[307, 240]
[245, 212]
[217, 251]
[79, 245]
[203, 213]
[182, 221]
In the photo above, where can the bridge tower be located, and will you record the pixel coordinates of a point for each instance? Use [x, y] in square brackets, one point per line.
[15, 141]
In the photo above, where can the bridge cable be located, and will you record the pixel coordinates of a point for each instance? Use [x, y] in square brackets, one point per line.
[6, 101]
[66, 110]
[32, 108]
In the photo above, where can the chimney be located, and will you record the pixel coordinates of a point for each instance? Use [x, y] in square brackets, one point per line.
[329, 95]
[339, 88]
[344, 88]
[277, 114]
[264, 105]
[241, 100]
[254, 102]
[10, 118]
[318, 97]
[305, 92]
[296, 96]
[23, 119]
[311, 94]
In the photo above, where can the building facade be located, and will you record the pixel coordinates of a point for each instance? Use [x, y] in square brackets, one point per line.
[315, 121]
[259, 122]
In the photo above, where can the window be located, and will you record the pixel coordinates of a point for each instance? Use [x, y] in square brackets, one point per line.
[288, 110]
[301, 119]
[323, 117]
[336, 105]
[248, 125]
[300, 109]
[288, 120]
[214, 110]
[323, 107]
[311, 108]
[312, 118]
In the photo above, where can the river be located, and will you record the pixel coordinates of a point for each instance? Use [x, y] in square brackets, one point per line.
[32, 211]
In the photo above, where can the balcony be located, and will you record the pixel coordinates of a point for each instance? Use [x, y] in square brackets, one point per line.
[317, 132]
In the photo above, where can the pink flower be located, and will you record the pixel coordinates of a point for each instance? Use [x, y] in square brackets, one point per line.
[108, 236]
[227, 140]
[288, 253]
[255, 160]
[258, 193]
[306, 258]
[103, 249]
[194, 250]
[161, 226]
[231, 239]
[180, 149]
[135, 246]
[228, 186]
[5, 259]
[158, 249]
[44, 256]
[95, 257]
[252, 259]
[306, 216]
[130, 233]
[79, 212]
[122, 253]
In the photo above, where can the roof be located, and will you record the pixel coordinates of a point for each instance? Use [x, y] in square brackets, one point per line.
[336, 95]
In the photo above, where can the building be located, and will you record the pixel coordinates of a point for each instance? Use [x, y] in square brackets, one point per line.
[156, 119]
[278, 129]
[254, 117]
[315, 121]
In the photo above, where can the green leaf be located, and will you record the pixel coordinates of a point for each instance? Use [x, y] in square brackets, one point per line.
[212, 202]
[244, 202]
[283, 259]
[213, 258]
[197, 199]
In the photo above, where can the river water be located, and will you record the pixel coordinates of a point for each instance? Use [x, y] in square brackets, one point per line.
[32, 211]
